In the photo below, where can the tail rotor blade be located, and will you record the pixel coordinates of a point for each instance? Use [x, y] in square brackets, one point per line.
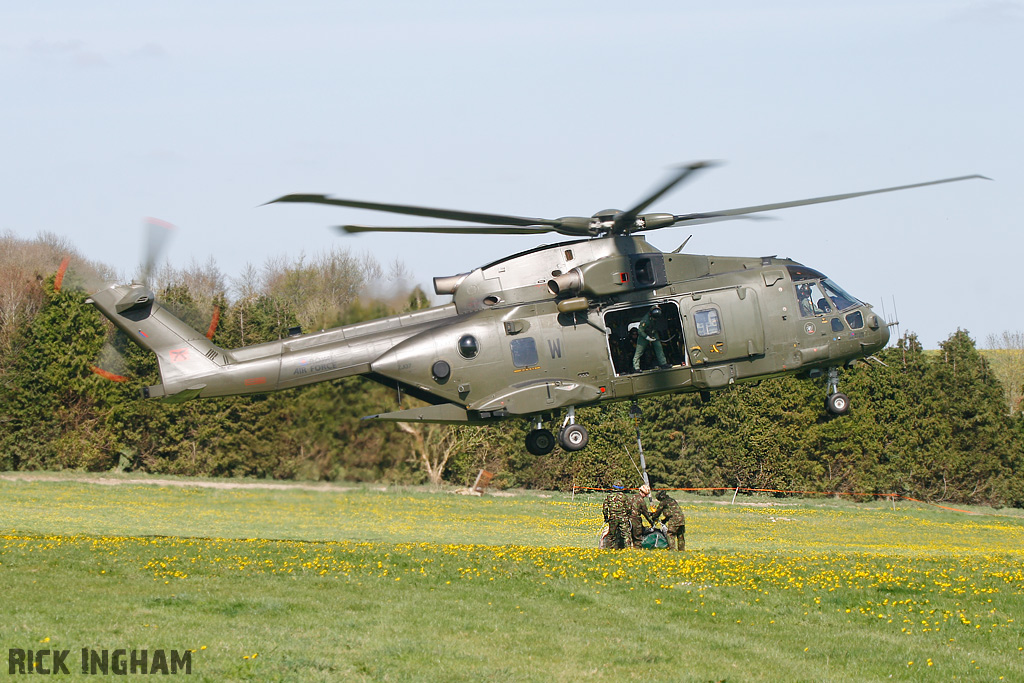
[110, 364]
[158, 234]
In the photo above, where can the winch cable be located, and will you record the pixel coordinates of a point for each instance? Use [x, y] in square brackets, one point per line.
[637, 415]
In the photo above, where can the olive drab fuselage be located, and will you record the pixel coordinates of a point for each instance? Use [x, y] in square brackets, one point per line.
[540, 332]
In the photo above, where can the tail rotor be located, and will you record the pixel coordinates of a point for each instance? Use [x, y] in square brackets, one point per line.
[111, 363]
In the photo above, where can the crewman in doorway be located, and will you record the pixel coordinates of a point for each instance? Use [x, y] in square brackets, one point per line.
[649, 337]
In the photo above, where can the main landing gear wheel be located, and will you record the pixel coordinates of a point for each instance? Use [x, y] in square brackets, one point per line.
[540, 441]
[573, 437]
[838, 404]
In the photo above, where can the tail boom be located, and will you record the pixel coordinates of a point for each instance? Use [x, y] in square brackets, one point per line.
[192, 366]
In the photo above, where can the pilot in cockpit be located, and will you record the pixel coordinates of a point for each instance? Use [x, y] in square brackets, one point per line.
[803, 295]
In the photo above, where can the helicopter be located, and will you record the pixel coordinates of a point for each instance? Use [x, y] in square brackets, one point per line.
[601, 317]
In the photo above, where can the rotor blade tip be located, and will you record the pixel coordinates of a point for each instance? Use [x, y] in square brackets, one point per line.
[156, 222]
[703, 163]
[298, 198]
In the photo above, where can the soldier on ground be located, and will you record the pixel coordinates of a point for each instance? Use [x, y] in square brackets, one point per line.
[675, 520]
[617, 517]
[637, 512]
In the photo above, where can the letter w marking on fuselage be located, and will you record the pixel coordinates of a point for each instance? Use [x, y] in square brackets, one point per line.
[555, 346]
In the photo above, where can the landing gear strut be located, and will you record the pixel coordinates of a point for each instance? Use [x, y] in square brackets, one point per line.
[836, 402]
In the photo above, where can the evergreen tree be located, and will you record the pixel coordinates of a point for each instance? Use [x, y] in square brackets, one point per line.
[977, 429]
[51, 401]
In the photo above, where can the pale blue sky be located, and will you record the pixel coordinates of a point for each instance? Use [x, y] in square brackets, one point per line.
[198, 112]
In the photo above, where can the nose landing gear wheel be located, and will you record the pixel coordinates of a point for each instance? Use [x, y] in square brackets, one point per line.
[837, 404]
[574, 437]
[540, 442]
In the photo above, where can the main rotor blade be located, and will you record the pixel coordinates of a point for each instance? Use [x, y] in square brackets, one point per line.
[713, 215]
[450, 229]
[626, 218]
[448, 214]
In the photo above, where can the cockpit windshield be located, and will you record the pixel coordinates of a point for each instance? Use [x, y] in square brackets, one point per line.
[840, 299]
[817, 295]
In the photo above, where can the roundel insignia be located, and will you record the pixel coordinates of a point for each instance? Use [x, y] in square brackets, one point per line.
[809, 328]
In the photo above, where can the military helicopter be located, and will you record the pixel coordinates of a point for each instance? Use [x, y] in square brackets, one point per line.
[602, 317]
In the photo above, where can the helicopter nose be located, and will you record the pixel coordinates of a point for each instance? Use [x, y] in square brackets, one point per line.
[878, 335]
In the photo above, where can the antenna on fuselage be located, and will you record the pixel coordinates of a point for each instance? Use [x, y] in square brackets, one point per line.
[680, 247]
[893, 321]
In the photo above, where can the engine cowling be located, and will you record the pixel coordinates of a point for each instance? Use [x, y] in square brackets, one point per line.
[611, 275]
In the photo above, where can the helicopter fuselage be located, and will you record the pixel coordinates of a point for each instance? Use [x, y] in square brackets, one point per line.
[540, 332]
[606, 317]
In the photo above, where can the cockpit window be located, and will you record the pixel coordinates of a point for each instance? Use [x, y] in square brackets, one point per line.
[839, 298]
[812, 300]
[799, 273]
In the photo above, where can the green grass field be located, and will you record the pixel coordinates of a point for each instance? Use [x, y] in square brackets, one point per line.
[333, 583]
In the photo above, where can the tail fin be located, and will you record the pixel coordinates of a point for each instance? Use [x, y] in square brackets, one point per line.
[185, 356]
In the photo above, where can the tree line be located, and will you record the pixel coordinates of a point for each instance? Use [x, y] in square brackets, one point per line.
[935, 425]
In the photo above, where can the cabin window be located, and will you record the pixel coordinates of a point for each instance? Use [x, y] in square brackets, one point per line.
[524, 352]
[468, 346]
[707, 322]
[855, 320]
[837, 325]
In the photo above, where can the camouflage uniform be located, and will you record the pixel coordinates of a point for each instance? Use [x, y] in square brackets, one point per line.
[675, 520]
[615, 514]
[649, 337]
[638, 509]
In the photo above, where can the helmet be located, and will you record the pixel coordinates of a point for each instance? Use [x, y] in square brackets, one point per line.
[662, 495]
[655, 312]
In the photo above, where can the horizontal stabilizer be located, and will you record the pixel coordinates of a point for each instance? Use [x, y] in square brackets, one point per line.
[185, 395]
